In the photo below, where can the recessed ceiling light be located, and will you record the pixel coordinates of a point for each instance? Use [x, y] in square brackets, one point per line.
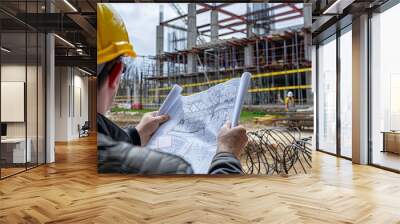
[70, 5]
[5, 50]
[338, 6]
[84, 71]
[65, 41]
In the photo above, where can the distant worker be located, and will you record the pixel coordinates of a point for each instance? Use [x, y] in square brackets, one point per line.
[119, 150]
[289, 102]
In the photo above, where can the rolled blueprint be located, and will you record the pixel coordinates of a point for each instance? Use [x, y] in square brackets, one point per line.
[243, 87]
[173, 95]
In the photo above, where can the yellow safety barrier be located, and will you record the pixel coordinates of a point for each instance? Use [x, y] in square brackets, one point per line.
[123, 98]
[281, 73]
[269, 74]
[149, 99]
[256, 90]
[279, 88]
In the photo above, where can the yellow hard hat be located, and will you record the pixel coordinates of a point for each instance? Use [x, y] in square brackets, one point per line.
[112, 37]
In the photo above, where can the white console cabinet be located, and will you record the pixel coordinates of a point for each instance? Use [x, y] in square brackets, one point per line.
[19, 155]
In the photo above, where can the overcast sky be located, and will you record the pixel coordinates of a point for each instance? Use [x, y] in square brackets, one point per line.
[141, 20]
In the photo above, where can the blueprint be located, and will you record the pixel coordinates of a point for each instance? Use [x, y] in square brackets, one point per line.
[195, 120]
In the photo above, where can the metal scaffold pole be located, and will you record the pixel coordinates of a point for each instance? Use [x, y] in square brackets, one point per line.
[278, 59]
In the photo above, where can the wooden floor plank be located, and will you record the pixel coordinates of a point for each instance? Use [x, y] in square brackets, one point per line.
[71, 191]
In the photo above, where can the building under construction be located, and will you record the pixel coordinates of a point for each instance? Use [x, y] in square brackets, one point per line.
[199, 56]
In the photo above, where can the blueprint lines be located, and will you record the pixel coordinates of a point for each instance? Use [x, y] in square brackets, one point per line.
[195, 121]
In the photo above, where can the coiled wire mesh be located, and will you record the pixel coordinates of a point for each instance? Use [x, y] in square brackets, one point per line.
[277, 151]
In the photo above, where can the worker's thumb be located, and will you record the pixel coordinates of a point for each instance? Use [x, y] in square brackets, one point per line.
[162, 118]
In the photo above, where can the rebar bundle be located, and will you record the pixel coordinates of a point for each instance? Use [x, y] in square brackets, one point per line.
[279, 151]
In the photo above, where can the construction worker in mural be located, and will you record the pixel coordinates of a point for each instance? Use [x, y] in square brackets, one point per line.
[289, 102]
[122, 150]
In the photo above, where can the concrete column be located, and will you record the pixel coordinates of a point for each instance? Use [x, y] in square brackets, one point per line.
[50, 91]
[271, 14]
[159, 51]
[249, 49]
[249, 55]
[160, 43]
[214, 24]
[307, 12]
[191, 37]
[159, 48]
[136, 88]
[50, 98]
[128, 95]
[360, 90]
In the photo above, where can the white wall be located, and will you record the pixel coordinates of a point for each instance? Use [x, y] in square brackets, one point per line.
[62, 78]
[14, 73]
[71, 87]
[80, 89]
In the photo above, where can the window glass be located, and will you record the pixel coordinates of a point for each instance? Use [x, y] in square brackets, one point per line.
[31, 96]
[22, 89]
[385, 84]
[327, 96]
[15, 150]
[346, 94]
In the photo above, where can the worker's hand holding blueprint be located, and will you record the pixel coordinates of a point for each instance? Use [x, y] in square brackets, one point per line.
[191, 132]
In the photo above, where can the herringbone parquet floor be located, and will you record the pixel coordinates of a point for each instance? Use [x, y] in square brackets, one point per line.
[70, 191]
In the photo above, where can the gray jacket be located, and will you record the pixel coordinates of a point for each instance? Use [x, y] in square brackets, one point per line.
[119, 152]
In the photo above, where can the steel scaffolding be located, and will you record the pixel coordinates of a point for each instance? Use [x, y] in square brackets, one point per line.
[278, 59]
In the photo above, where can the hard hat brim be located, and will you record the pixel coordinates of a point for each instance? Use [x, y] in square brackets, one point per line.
[115, 50]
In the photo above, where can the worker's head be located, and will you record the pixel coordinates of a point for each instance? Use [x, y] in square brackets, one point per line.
[290, 94]
[112, 45]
